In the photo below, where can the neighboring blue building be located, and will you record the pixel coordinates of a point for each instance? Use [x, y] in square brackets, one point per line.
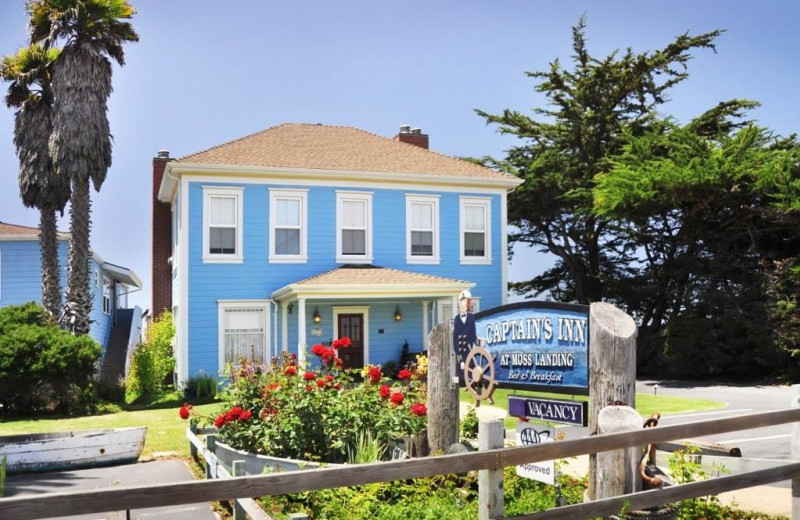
[304, 233]
[21, 282]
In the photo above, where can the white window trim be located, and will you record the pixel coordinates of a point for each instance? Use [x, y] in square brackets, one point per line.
[228, 191]
[107, 297]
[364, 333]
[97, 277]
[176, 231]
[222, 305]
[302, 196]
[342, 196]
[486, 202]
[422, 199]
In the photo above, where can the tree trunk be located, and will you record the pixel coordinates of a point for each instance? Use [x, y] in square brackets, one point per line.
[79, 300]
[442, 393]
[51, 267]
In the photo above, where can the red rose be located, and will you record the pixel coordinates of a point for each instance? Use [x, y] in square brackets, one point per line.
[328, 357]
[185, 411]
[419, 409]
[397, 398]
[385, 391]
[274, 386]
[220, 421]
[404, 374]
[290, 371]
[309, 376]
[246, 415]
[337, 385]
[318, 349]
[339, 362]
[341, 343]
[309, 388]
[321, 382]
[236, 411]
[375, 374]
[329, 377]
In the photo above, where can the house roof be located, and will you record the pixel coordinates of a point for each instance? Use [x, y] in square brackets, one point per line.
[298, 148]
[17, 232]
[362, 281]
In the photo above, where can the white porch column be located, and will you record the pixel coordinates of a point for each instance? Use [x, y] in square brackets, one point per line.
[455, 310]
[301, 331]
[425, 325]
[284, 327]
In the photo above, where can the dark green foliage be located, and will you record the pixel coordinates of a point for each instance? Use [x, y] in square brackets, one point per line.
[469, 424]
[406, 359]
[153, 362]
[200, 387]
[42, 367]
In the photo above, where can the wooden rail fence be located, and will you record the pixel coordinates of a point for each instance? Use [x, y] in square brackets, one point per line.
[83, 502]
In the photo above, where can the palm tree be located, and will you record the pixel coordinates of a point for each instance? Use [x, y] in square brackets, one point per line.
[29, 73]
[80, 145]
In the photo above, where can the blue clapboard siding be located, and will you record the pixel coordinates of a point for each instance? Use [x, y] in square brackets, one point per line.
[257, 279]
[21, 282]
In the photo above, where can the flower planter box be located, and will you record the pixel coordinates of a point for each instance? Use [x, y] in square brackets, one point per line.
[256, 464]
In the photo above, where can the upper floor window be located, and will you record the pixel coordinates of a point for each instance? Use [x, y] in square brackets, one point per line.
[353, 227]
[422, 229]
[222, 224]
[288, 225]
[106, 295]
[476, 238]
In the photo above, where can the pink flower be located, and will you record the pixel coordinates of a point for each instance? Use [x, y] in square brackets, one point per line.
[419, 409]
[397, 398]
[404, 374]
[385, 391]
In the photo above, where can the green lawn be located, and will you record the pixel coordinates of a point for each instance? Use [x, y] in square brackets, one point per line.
[165, 430]
[646, 404]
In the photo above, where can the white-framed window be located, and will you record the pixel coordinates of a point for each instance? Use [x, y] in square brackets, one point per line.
[422, 229]
[106, 295]
[475, 233]
[353, 227]
[243, 332]
[223, 224]
[97, 277]
[288, 226]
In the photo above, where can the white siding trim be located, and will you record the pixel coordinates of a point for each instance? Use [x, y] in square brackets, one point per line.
[433, 200]
[183, 285]
[366, 197]
[504, 248]
[486, 203]
[228, 191]
[302, 196]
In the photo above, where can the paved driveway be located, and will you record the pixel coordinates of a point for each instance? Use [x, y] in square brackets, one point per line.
[114, 477]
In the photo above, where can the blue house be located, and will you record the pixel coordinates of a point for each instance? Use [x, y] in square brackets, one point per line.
[304, 233]
[115, 326]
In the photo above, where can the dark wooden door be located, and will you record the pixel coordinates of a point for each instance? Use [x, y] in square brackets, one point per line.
[352, 326]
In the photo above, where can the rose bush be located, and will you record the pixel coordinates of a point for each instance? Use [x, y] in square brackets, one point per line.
[315, 412]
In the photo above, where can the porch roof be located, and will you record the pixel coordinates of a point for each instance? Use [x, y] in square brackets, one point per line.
[369, 281]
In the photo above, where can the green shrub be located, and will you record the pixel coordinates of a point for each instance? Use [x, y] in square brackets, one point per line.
[153, 362]
[200, 387]
[42, 367]
[469, 424]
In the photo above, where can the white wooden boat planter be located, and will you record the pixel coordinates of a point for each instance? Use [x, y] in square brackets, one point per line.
[39, 452]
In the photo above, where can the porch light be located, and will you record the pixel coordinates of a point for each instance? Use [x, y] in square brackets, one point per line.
[317, 318]
[398, 316]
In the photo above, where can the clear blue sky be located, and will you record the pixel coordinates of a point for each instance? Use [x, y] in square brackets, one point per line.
[208, 71]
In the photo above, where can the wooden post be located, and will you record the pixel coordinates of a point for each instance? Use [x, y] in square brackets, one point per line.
[442, 392]
[192, 447]
[238, 470]
[490, 481]
[796, 454]
[211, 442]
[612, 369]
[617, 469]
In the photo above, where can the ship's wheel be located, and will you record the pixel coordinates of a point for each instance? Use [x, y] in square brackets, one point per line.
[479, 374]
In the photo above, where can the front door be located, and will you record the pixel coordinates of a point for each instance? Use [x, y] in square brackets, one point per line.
[352, 326]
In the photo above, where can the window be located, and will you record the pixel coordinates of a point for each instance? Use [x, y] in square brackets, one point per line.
[106, 295]
[476, 237]
[243, 332]
[422, 229]
[354, 227]
[97, 277]
[222, 224]
[288, 217]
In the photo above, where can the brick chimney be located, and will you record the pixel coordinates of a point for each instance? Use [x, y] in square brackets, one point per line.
[162, 242]
[412, 136]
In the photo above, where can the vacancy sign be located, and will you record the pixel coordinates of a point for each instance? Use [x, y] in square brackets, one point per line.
[531, 434]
